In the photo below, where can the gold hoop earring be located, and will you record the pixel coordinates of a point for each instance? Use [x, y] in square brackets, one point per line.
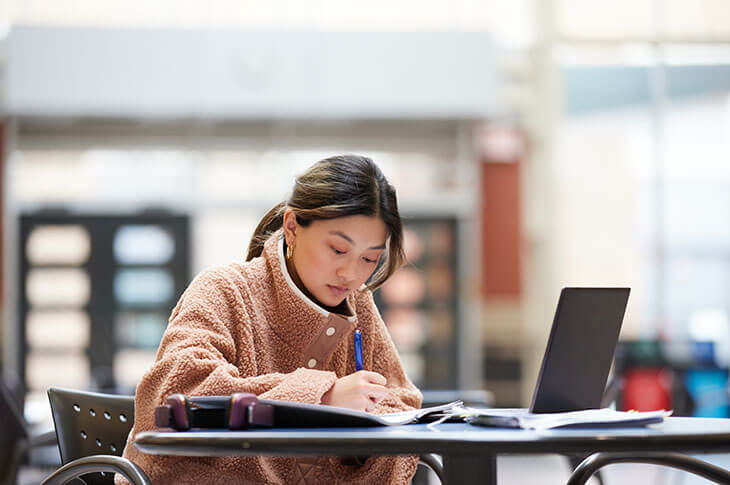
[289, 251]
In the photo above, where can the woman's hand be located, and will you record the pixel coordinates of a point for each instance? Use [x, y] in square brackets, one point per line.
[361, 390]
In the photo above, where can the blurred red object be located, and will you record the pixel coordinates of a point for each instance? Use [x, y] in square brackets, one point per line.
[647, 389]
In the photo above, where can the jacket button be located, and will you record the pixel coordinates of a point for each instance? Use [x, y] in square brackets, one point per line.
[312, 363]
[330, 331]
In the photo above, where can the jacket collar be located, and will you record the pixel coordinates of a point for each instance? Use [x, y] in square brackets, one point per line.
[300, 321]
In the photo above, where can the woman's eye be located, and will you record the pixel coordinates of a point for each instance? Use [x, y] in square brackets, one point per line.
[337, 251]
[371, 261]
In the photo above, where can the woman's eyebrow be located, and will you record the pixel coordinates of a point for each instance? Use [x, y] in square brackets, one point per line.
[349, 239]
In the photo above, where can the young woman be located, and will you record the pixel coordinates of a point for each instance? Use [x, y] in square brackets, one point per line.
[281, 326]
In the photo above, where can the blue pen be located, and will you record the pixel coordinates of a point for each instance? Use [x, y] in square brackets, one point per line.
[358, 350]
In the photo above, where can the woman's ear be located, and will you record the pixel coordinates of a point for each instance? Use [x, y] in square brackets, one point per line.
[290, 226]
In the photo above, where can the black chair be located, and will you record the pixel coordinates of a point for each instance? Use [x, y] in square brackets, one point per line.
[92, 430]
[593, 463]
[15, 440]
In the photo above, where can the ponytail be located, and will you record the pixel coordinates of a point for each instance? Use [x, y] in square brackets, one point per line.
[271, 222]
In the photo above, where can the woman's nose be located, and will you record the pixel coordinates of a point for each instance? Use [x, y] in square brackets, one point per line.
[347, 271]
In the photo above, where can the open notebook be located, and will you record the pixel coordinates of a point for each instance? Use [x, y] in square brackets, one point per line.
[301, 415]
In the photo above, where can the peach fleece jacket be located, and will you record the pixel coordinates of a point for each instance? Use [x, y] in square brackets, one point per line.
[248, 328]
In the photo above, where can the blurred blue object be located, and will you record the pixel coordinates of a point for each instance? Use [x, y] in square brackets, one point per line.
[143, 244]
[703, 354]
[708, 388]
[143, 287]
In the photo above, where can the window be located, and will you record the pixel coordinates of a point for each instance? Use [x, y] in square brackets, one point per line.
[96, 291]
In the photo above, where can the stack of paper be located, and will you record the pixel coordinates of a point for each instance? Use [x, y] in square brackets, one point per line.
[419, 415]
[519, 418]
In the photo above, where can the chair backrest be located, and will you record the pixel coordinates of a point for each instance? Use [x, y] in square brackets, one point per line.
[12, 433]
[90, 423]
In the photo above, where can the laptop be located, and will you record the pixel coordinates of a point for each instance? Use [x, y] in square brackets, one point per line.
[579, 352]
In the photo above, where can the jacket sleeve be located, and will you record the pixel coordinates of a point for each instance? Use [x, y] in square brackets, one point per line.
[209, 331]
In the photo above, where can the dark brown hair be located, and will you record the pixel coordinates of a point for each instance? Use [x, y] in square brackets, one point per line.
[340, 186]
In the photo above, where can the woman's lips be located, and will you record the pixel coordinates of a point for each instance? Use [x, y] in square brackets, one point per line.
[337, 290]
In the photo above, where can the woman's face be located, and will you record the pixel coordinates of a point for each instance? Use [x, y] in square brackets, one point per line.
[333, 257]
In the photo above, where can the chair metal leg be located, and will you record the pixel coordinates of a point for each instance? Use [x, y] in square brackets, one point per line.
[590, 465]
[577, 459]
[98, 463]
[433, 462]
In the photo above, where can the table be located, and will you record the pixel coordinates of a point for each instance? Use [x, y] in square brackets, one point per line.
[469, 452]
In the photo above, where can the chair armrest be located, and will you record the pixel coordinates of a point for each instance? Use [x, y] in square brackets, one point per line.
[432, 461]
[98, 463]
[590, 465]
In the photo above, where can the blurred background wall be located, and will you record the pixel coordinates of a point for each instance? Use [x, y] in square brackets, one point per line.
[533, 144]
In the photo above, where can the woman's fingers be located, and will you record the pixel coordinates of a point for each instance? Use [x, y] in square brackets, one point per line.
[373, 377]
[361, 390]
[375, 393]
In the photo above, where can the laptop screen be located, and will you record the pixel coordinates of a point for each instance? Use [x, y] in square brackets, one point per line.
[580, 349]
